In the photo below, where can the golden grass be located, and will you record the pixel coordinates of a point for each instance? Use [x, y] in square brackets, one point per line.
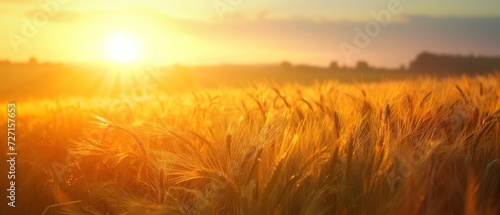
[403, 147]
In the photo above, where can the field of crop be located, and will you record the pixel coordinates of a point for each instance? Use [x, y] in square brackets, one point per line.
[405, 147]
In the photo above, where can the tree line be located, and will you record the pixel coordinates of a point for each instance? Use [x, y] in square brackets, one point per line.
[454, 64]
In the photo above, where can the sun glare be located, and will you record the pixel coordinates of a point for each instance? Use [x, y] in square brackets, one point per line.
[122, 48]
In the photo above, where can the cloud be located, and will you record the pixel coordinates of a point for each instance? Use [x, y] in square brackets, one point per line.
[312, 40]
[75, 17]
[307, 35]
[18, 1]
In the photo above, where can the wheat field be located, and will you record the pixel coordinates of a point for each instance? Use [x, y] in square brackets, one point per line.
[421, 146]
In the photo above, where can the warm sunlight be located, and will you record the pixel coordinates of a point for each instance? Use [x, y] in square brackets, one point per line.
[250, 107]
[122, 48]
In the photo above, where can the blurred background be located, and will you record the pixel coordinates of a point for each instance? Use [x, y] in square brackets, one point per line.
[50, 45]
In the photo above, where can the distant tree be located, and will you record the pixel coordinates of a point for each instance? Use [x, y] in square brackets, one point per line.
[453, 64]
[33, 60]
[362, 65]
[286, 65]
[334, 65]
[5, 62]
[304, 67]
[402, 67]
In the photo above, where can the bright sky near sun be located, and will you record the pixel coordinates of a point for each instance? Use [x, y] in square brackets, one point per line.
[240, 31]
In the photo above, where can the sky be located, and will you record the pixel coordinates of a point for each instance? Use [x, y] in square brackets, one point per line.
[385, 33]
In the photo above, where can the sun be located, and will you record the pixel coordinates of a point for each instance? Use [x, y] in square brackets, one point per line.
[122, 48]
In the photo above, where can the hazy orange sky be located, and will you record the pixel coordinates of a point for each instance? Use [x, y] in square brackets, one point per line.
[244, 31]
